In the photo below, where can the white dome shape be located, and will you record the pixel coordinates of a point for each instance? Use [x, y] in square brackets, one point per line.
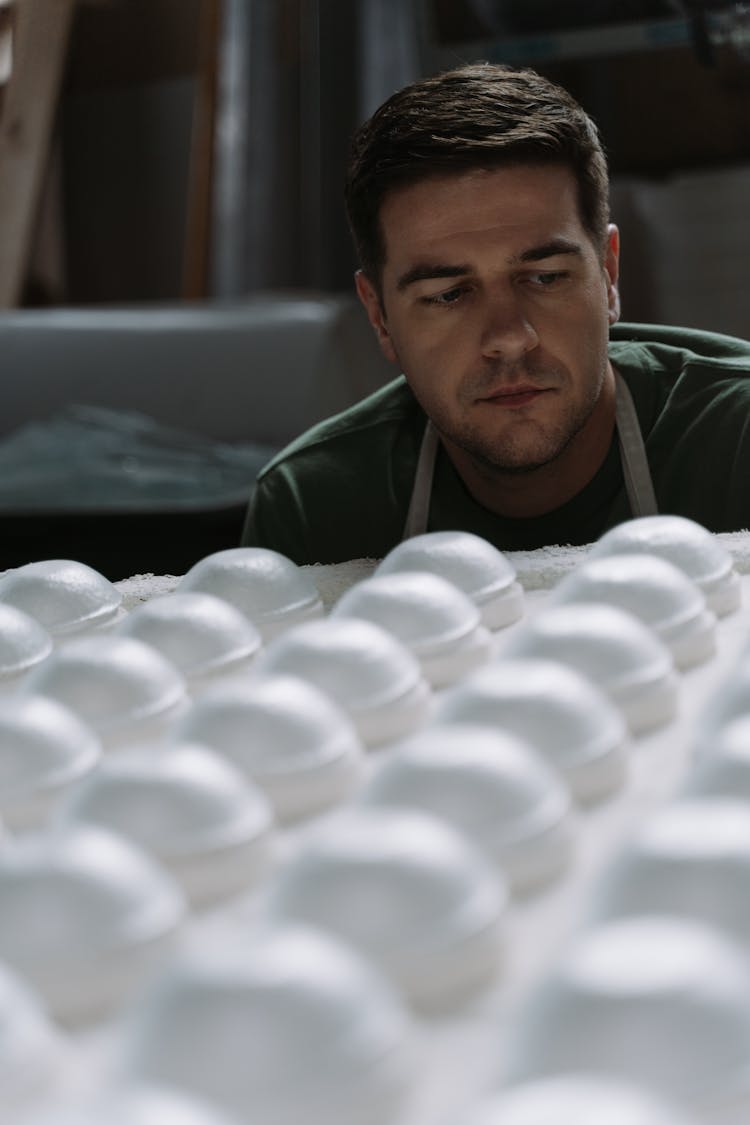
[190, 809]
[562, 715]
[469, 562]
[576, 1099]
[657, 1001]
[120, 686]
[722, 766]
[407, 891]
[30, 1048]
[24, 645]
[429, 615]
[687, 544]
[727, 701]
[131, 1105]
[492, 787]
[292, 1027]
[285, 735]
[613, 649]
[84, 915]
[271, 590]
[691, 858]
[363, 668]
[656, 592]
[64, 596]
[202, 635]
[44, 749]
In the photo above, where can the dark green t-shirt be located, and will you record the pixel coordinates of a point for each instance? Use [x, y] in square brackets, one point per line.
[341, 491]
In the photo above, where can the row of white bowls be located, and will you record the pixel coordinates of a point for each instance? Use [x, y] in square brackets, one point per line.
[419, 890]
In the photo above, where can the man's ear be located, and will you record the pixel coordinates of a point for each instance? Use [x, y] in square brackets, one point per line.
[612, 272]
[370, 298]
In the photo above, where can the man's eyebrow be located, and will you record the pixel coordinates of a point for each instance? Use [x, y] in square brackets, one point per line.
[426, 271]
[549, 250]
[423, 271]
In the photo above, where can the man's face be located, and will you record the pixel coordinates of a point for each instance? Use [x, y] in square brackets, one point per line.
[496, 305]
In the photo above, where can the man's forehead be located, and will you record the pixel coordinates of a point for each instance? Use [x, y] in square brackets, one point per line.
[460, 179]
[515, 211]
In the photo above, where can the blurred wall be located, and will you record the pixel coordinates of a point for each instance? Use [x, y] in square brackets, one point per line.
[295, 77]
[125, 125]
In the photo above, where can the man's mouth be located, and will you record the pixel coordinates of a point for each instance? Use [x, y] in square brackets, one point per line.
[515, 396]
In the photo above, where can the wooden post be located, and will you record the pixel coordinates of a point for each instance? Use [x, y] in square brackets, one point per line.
[42, 30]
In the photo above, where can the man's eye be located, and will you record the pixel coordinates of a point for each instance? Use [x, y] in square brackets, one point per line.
[448, 297]
[548, 278]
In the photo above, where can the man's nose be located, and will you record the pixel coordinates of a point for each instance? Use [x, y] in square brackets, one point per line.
[506, 331]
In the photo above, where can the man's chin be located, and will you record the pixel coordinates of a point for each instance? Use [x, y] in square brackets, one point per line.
[526, 469]
[520, 463]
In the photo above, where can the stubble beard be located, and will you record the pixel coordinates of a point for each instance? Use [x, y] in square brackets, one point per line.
[525, 446]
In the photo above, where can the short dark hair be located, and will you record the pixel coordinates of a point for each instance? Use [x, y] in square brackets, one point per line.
[476, 116]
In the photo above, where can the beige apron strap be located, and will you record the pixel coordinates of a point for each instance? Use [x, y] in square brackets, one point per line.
[638, 483]
[419, 505]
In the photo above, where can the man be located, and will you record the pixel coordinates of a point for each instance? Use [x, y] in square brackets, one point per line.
[478, 202]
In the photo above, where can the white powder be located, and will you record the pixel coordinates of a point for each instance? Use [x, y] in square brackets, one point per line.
[536, 570]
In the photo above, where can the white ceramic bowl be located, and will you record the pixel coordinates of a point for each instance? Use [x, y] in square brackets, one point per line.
[84, 915]
[469, 562]
[32, 1052]
[24, 646]
[562, 715]
[44, 750]
[491, 786]
[687, 544]
[690, 858]
[575, 1099]
[406, 890]
[292, 1027]
[657, 1001]
[131, 1105]
[120, 686]
[656, 592]
[286, 736]
[190, 809]
[203, 636]
[613, 649]
[363, 668]
[63, 595]
[435, 620]
[271, 590]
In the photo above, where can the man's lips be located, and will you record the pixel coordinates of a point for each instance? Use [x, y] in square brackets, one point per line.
[515, 396]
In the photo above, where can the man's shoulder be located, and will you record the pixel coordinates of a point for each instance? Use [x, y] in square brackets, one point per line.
[358, 427]
[339, 490]
[692, 393]
[673, 349]
[682, 376]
